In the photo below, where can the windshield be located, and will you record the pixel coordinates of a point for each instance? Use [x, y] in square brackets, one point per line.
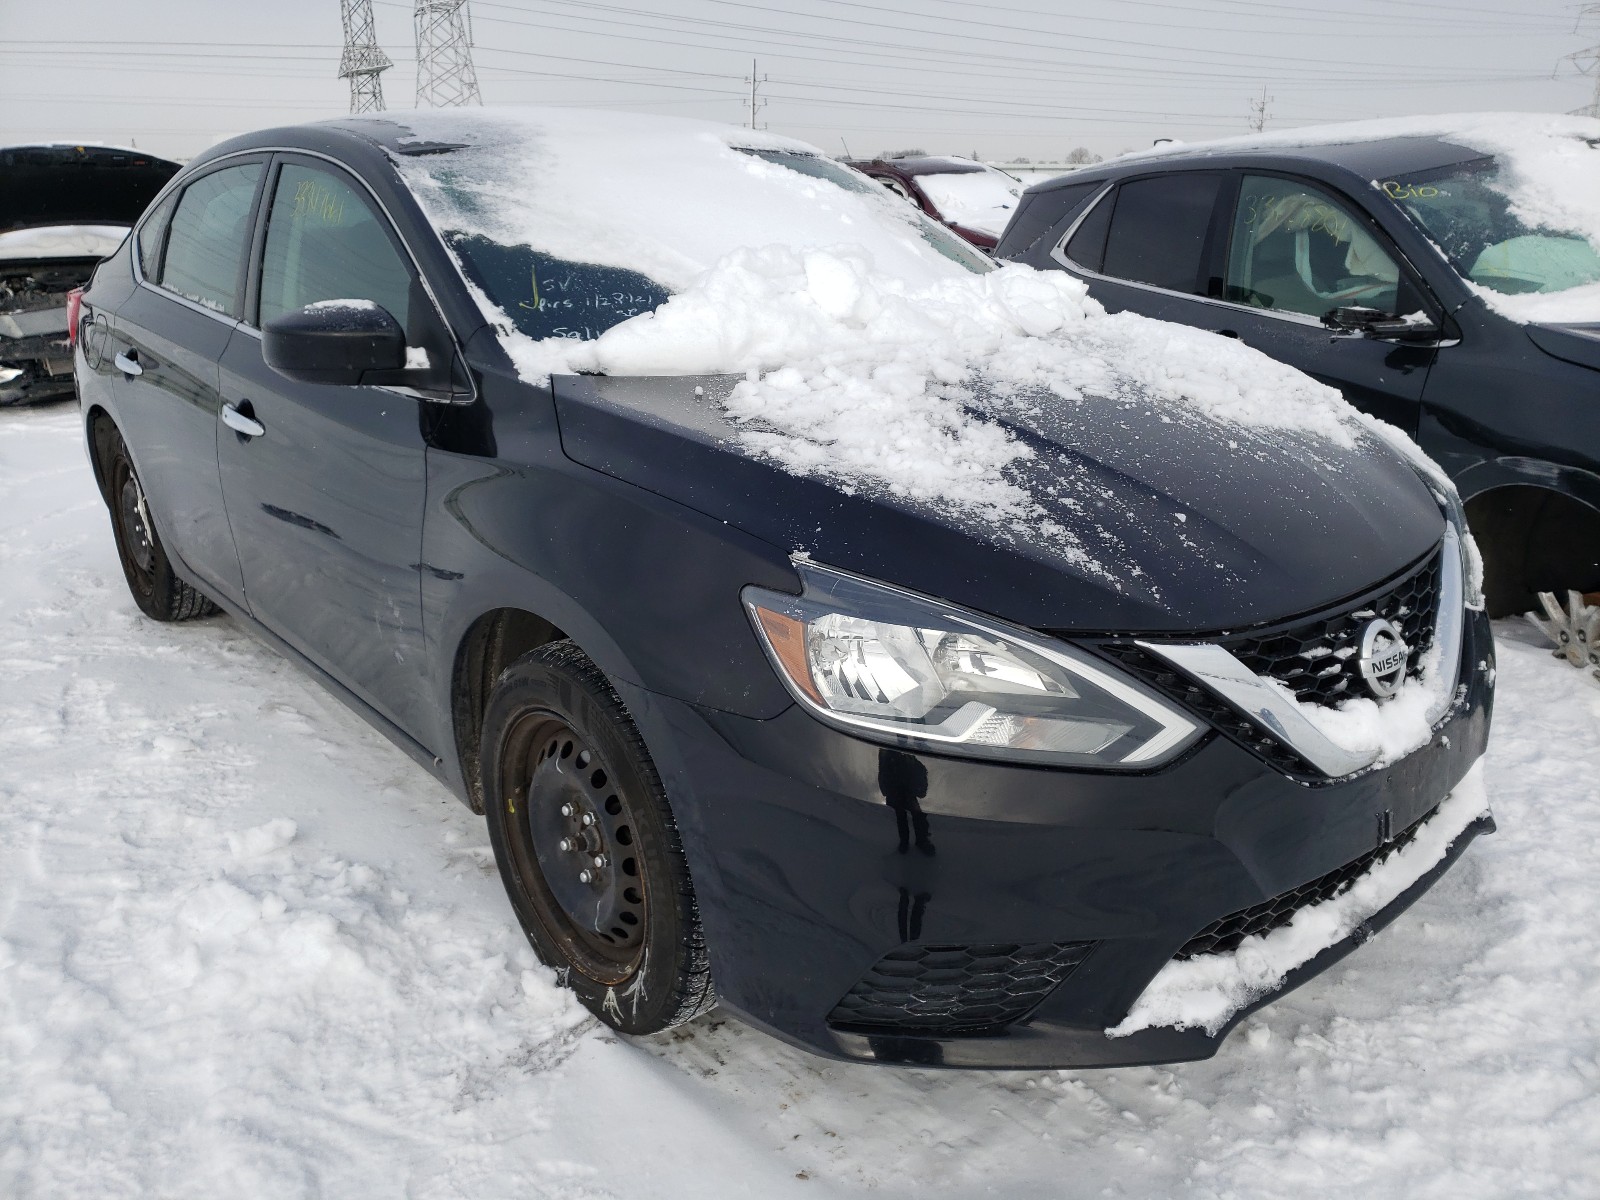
[981, 200]
[1467, 212]
[570, 223]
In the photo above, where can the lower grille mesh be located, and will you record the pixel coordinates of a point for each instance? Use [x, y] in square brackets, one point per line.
[969, 990]
[1224, 936]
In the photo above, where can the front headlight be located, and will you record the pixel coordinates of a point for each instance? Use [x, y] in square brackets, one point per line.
[911, 671]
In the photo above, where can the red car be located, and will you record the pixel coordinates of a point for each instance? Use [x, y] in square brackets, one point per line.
[968, 197]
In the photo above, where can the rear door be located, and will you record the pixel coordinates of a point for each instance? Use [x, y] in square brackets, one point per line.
[166, 341]
[326, 500]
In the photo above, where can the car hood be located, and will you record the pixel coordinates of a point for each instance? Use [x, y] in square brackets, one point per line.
[1150, 524]
[1572, 343]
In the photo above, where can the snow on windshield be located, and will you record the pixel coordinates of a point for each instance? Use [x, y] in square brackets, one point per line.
[981, 200]
[1547, 175]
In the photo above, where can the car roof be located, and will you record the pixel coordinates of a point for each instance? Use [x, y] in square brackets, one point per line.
[927, 164]
[1369, 158]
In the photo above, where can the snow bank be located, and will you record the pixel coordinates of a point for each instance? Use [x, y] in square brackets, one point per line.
[1205, 991]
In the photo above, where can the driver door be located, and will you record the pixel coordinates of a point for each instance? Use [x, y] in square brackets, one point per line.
[324, 483]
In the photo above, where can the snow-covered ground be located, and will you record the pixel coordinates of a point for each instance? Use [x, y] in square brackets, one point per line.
[248, 949]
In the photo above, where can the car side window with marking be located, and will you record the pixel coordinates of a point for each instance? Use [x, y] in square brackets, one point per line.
[325, 241]
[1159, 230]
[205, 246]
[1297, 249]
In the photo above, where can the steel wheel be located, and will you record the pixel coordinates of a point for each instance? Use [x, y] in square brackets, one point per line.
[587, 879]
[588, 846]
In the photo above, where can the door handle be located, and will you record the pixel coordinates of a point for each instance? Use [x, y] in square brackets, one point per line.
[128, 362]
[237, 421]
[1230, 333]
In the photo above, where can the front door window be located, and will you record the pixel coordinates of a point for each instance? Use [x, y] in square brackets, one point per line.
[325, 242]
[1296, 249]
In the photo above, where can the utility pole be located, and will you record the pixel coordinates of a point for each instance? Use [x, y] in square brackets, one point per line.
[1258, 121]
[362, 62]
[753, 104]
[446, 77]
[1588, 63]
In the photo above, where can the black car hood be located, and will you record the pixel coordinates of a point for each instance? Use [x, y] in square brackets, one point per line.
[77, 185]
[1160, 525]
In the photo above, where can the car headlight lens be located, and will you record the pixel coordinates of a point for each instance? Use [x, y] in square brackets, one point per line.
[910, 671]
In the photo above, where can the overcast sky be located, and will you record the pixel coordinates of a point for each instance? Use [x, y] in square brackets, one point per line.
[1031, 78]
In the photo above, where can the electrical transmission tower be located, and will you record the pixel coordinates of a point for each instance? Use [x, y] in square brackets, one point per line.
[362, 62]
[1258, 109]
[446, 77]
[1588, 63]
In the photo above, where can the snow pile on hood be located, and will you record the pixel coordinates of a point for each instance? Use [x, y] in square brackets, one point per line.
[1204, 992]
[1549, 171]
[870, 382]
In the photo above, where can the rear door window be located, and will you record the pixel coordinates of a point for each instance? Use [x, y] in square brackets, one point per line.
[326, 241]
[204, 260]
[1160, 231]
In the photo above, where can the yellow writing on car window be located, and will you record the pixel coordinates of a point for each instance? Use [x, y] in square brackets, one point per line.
[316, 201]
[1409, 191]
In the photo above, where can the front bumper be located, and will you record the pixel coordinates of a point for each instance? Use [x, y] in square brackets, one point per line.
[816, 854]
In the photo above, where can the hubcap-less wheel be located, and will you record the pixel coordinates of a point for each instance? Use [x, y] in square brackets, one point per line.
[587, 879]
[136, 524]
[156, 588]
[588, 845]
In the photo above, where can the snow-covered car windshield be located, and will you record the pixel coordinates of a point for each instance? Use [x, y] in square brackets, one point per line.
[569, 224]
[1468, 212]
[981, 200]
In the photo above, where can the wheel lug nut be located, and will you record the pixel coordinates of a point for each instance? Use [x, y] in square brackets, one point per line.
[566, 845]
[585, 877]
[588, 819]
[566, 810]
[599, 860]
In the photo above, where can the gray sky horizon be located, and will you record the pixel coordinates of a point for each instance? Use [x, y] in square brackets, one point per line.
[1027, 78]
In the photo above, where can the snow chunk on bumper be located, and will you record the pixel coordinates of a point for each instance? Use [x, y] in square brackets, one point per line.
[1206, 991]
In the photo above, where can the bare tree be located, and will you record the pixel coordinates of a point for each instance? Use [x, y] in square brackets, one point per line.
[1083, 155]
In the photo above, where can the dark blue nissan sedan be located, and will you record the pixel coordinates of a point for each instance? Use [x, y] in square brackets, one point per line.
[830, 623]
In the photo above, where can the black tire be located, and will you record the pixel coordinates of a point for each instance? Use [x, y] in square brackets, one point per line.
[156, 589]
[566, 782]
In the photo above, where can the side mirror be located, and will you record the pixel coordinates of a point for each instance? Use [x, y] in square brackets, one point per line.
[1375, 323]
[333, 341]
